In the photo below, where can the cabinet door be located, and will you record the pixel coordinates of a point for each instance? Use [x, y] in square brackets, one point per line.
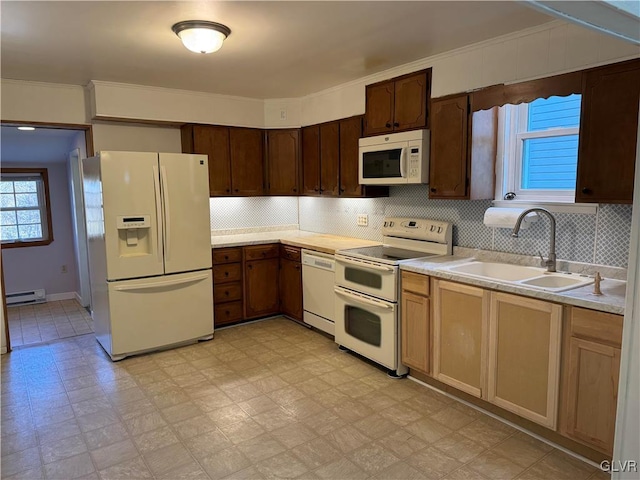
[592, 393]
[283, 160]
[410, 106]
[448, 160]
[415, 331]
[214, 142]
[524, 357]
[350, 133]
[261, 294]
[291, 288]
[311, 160]
[608, 134]
[329, 158]
[379, 108]
[460, 329]
[247, 161]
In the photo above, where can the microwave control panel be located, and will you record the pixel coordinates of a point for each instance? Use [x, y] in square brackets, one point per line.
[414, 162]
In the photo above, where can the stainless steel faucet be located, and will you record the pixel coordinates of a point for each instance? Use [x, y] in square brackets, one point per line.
[550, 262]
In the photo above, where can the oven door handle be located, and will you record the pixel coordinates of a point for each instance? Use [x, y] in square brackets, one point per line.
[371, 266]
[358, 298]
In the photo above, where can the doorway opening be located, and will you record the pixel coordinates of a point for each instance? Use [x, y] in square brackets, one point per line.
[45, 281]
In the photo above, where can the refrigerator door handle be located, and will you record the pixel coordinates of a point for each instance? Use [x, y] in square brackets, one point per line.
[167, 212]
[152, 285]
[156, 189]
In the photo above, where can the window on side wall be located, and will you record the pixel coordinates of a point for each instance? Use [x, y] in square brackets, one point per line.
[538, 154]
[25, 214]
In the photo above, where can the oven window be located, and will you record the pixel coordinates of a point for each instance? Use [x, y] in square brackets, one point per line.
[384, 164]
[363, 325]
[363, 277]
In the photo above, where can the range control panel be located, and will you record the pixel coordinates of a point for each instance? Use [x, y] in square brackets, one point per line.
[418, 229]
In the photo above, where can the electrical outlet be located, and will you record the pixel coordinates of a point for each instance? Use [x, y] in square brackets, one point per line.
[283, 114]
[363, 219]
[63, 269]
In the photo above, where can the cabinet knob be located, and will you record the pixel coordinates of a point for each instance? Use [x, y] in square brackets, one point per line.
[228, 190]
[250, 267]
[236, 190]
[316, 189]
[433, 189]
[586, 190]
[396, 124]
[227, 313]
[297, 267]
[388, 125]
[295, 189]
[226, 257]
[226, 274]
[226, 292]
[341, 189]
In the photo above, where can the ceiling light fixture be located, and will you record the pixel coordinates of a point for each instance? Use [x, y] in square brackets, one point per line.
[28, 129]
[201, 36]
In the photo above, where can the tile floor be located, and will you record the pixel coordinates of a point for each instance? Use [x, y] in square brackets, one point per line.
[42, 322]
[264, 400]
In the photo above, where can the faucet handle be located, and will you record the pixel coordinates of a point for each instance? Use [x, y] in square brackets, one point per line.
[543, 262]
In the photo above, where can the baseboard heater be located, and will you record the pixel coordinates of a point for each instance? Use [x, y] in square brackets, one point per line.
[25, 298]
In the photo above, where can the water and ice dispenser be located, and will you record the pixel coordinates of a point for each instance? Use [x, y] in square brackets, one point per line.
[134, 235]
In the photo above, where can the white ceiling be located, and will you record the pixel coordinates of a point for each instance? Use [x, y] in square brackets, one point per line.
[40, 146]
[276, 49]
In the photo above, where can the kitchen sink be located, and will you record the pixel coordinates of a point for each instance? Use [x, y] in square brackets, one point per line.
[530, 277]
[558, 282]
[497, 271]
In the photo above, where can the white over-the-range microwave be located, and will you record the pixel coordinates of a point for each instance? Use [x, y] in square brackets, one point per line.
[394, 159]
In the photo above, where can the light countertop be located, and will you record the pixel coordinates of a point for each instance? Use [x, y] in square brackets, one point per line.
[298, 238]
[612, 299]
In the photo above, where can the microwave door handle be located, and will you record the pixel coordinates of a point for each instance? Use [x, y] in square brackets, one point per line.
[403, 159]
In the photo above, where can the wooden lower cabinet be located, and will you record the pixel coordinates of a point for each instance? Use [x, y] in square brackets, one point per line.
[261, 286]
[460, 331]
[524, 356]
[590, 377]
[227, 286]
[415, 322]
[291, 288]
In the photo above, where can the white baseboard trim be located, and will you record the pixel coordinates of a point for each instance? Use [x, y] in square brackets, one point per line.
[54, 297]
[78, 297]
[3, 350]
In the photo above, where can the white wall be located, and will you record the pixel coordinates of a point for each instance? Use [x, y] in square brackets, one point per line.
[28, 268]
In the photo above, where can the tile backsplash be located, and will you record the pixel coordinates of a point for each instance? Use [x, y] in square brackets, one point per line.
[227, 213]
[602, 238]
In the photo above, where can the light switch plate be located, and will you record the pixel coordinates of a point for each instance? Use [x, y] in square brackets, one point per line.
[363, 219]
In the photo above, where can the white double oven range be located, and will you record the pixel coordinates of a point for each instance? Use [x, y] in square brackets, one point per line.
[367, 288]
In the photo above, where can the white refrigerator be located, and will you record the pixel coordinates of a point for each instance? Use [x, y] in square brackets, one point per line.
[149, 242]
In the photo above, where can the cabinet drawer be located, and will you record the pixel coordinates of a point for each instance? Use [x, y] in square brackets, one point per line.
[227, 292]
[290, 253]
[258, 252]
[231, 272]
[227, 313]
[599, 326]
[416, 283]
[227, 255]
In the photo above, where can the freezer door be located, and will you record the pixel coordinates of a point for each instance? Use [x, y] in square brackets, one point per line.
[152, 313]
[132, 219]
[187, 232]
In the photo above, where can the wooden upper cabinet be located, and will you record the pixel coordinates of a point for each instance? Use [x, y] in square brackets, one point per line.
[397, 104]
[410, 106]
[213, 142]
[247, 161]
[311, 160]
[449, 136]
[283, 162]
[329, 158]
[350, 133]
[463, 150]
[608, 134]
[379, 108]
